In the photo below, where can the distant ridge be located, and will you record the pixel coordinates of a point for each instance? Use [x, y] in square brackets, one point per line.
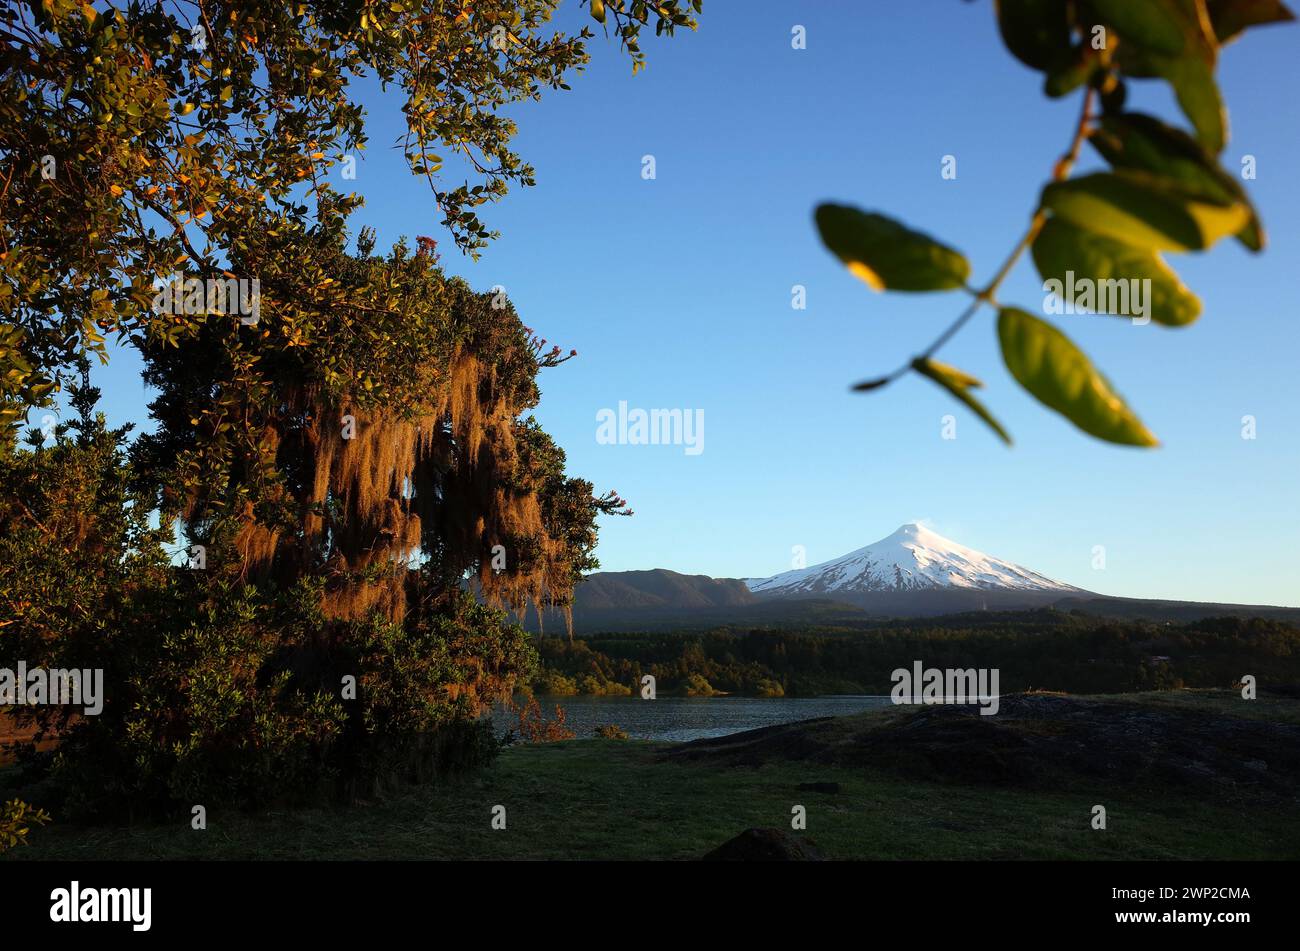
[661, 588]
[913, 573]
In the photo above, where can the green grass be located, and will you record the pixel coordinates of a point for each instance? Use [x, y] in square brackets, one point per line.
[1226, 702]
[602, 799]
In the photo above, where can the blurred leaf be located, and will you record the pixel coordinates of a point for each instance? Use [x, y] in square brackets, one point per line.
[1189, 70]
[867, 385]
[1065, 253]
[1136, 141]
[1230, 17]
[1199, 98]
[887, 255]
[1144, 210]
[1070, 74]
[1153, 24]
[1062, 378]
[1037, 32]
[959, 384]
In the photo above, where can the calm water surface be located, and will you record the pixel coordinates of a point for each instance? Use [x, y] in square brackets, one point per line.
[679, 719]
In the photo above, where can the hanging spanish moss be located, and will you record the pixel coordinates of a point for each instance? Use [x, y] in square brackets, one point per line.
[394, 489]
[372, 500]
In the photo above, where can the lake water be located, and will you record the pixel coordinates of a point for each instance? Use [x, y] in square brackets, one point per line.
[679, 719]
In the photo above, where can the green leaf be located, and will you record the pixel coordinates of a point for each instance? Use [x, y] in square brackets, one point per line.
[1230, 17]
[1187, 65]
[1062, 378]
[1198, 96]
[598, 10]
[959, 384]
[1037, 32]
[1144, 210]
[887, 255]
[1073, 256]
[1190, 72]
[1153, 24]
[1070, 74]
[1136, 141]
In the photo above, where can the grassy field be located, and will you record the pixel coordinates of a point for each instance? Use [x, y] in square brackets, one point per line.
[606, 799]
[1225, 702]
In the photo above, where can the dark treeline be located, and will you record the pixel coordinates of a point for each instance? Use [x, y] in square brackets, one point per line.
[1045, 650]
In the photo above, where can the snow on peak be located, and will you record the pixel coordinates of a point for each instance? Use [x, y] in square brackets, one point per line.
[913, 557]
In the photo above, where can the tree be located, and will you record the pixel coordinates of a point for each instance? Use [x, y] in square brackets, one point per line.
[1100, 234]
[375, 439]
[342, 437]
[335, 474]
[142, 139]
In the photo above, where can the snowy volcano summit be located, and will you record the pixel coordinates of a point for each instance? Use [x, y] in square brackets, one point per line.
[914, 558]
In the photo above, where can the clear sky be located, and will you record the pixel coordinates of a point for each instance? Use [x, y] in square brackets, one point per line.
[676, 292]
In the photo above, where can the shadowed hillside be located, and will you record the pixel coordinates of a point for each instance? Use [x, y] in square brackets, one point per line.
[1042, 742]
[662, 600]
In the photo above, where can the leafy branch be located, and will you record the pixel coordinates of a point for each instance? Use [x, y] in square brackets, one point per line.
[1096, 240]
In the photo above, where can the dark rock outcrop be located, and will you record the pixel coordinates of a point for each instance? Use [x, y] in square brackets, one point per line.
[1037, 741]
[765, 845]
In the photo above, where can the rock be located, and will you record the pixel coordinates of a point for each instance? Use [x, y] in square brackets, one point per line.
[765, 845]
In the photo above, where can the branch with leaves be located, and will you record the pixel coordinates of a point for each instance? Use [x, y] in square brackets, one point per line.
[629, 16]
[1165, 192]
[137, 140]
[544, 357]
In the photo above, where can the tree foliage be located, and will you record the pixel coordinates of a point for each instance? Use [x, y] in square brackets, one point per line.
[343, 448]
[16, 820]
[139, 139]
[356, 436]
[1043, 649]
[314, 636]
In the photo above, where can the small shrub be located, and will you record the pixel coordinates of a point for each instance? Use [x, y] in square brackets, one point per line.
[696, 686]
[16, 819]
[533, 725]
[611, 731]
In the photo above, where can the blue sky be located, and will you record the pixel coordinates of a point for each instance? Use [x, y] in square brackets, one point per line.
[677, 294]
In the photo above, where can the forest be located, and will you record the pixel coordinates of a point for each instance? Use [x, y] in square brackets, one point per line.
[1035, 650]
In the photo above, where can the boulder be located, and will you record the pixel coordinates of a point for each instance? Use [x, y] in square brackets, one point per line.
[765, 845]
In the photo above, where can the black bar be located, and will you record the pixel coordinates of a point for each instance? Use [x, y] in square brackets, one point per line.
[918, 901]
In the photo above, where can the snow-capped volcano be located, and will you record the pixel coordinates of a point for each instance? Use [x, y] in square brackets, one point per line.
[913, 558]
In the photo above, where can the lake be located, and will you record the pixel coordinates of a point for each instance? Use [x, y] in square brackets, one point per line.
[679, 719]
